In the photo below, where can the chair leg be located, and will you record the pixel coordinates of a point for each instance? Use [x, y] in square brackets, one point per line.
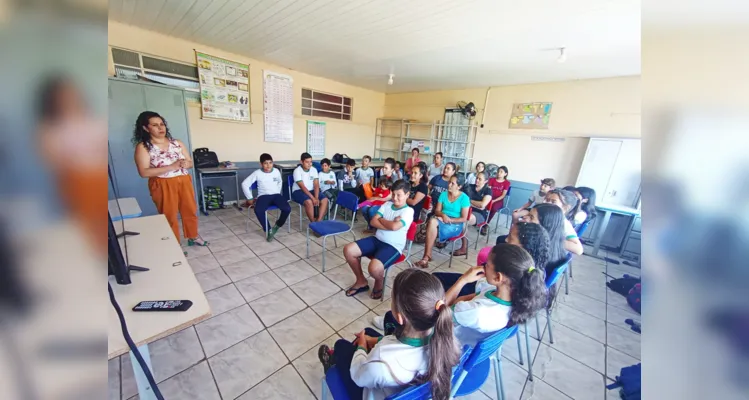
[548, 323]
[324, 251]
[528, 353]
[567, 281]
[569, 268]
[538, 329]
[520, 350]
[498, 378]
[384, 282]
[308, 242]
[450, 265]
[300, 217]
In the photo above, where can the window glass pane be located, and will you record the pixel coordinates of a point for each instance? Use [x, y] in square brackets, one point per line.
[318, 113]
[306, 93]
[326, 106]
[347, 110]
[346, 116]
[347, 101]
[307, 103]
[327, 97]
[306, 111]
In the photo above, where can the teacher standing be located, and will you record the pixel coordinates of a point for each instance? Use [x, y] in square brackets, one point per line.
[165, 161]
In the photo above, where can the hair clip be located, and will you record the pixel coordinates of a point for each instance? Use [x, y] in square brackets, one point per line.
[531, 269]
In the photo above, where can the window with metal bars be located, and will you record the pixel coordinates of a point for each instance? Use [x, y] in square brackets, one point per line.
[319, 104]
[133, 65]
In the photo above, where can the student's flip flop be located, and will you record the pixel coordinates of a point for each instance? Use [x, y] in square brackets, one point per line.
[356, 290]
[376, 294]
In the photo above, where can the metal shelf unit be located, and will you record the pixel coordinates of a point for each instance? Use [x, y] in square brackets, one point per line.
[388, 137]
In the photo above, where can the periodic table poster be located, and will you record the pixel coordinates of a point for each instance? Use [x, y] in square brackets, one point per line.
[224, 88]
[278, 107]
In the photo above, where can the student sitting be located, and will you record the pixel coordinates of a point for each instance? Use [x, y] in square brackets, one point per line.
[413, 161]
[392, 222]
[587, 212]
[439, 183]
[436, 168]
[364, 175]
[398, 172]
[419, 189]
[380, 194]
[567, 202]
[306, 189]
[480, 195]
[387, 175]
[538, 197]
[269, 184]
[328, 182]
[471, 179]
[450, 215]
[508, 291]
[346, 177]
[423, 348]
[552, 219]
[500, 187]
[532, 237]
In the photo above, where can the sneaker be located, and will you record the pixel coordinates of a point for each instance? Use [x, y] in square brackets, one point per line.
[379, 322]
[325, 355]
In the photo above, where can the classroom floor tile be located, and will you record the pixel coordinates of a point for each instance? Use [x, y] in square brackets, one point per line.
[273, 306]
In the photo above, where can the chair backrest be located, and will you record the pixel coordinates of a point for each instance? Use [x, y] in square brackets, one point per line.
[488, 346]
[552, 279]
[427, 202]
[290, 180]
[424, 391]
[317, 166]
[347, 200]
[411, 235]
[582, 228]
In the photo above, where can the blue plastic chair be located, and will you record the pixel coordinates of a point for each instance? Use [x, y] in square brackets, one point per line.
[476, 368]
[317, 165]
[267, 224]
[580, 231]
[505, 209]
[332, 381]
[332, 227]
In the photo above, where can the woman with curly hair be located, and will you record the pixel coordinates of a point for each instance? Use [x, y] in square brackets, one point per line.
[165, 161]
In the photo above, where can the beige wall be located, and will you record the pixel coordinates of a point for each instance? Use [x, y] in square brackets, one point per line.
[244, 142]
[581, 109]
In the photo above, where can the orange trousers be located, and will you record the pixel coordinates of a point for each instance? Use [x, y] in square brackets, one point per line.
[86, 203]
[173, 195]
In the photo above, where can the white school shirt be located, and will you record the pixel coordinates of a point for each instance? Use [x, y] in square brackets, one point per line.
[397, 238]
[326, 176]
[569, 230]
[364, 175]
[307, 177]
[267, 183]
[580, 217]
[478, 318]
[390, 365]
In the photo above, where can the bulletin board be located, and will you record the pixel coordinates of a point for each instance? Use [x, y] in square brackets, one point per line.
[224, 88]
[530, 115]
[316, 139]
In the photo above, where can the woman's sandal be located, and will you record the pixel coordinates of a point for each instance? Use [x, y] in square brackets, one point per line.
[376, 294]
[459, 252]
[197, 242]
[423, 263]
[352, 291]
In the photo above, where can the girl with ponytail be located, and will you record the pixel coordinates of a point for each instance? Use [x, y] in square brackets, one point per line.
[422, 348]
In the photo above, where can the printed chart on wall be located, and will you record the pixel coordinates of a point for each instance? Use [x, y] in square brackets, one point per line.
[316, 139]
[278, 102]
[224, 88]
[530, 115]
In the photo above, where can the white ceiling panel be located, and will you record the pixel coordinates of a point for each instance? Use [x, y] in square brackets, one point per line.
[427, 44]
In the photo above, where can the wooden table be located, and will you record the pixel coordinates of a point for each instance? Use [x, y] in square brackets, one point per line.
[124, 208]
[170, 278]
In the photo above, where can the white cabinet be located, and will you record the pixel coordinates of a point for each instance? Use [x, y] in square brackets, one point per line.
[612, 168]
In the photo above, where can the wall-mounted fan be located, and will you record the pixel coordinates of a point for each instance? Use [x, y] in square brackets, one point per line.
[491, 170]
[468, 109]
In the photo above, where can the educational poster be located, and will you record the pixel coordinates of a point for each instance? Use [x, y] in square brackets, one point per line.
[224, 88]
[530, 115]
[316, 139]
[278, 107]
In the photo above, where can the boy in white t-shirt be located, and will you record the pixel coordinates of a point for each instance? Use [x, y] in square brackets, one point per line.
[269, 184]
[306, 189]
[392, 222]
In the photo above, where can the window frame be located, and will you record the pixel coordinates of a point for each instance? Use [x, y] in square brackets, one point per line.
[311, 108]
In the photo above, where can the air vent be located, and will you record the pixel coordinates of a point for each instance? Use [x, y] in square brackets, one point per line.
[156, 64]
[125, 57]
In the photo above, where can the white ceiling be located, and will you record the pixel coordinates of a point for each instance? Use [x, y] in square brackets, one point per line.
[427, 44]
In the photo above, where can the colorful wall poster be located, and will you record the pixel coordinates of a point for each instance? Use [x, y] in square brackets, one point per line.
[224, 88]
[530, 115]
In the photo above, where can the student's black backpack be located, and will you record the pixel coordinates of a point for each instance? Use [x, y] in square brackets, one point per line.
[204, 158]
[340, 158]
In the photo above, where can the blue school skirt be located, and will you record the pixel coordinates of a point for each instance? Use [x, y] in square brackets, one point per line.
[448, 231]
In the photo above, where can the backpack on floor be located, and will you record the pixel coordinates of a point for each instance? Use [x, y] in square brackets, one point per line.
[629, 380]
[634, 298]
[214, 197]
